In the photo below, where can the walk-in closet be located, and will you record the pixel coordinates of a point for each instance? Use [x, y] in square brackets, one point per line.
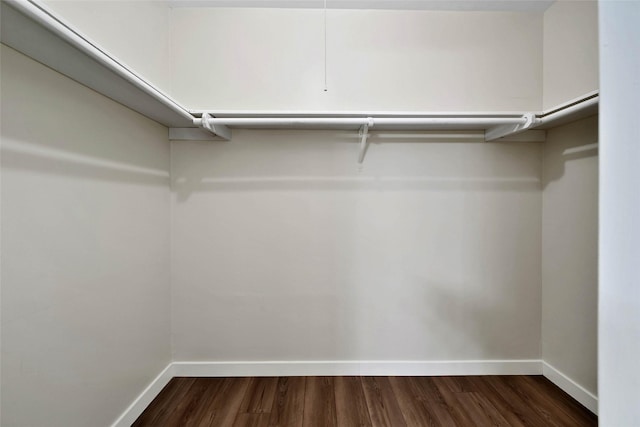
[320, 213]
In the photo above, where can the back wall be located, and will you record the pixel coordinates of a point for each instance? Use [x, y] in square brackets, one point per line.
[284, 249]
[387, 60]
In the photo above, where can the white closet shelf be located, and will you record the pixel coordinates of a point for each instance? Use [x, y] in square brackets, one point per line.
[570, 111]
[31, 28]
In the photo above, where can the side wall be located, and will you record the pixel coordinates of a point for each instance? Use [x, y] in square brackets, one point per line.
[570, 204]
[284, 250]
[273, 59]
[85, 250]
[570, 252]
[570, 51]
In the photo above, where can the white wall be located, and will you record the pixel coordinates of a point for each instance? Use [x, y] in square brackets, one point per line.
[248, 59]
[135, 32]
[283, 250]
[85, 250]
[570, 251]
[619, 296]
[570, 51]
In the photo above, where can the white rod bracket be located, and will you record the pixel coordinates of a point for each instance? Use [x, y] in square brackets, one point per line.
[529, 120]
[220, 130]
[364, 141]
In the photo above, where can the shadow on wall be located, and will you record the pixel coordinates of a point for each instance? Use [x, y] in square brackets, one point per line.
[572, 142]
[437, 321]
[184, 187]
[470, 321]
[327, 161]
[32, 157]
[53, 125]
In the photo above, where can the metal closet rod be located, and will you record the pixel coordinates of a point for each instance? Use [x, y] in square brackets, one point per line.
[500, 125]
[361, 121]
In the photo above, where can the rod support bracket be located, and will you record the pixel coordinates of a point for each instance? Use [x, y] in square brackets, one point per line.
[364, 138]
[218, 130]
[529, 120]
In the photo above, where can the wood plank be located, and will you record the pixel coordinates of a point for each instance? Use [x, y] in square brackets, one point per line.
[260, 395]
[320, 403]
[480, 410]
[489, 409]
[193, 400]
[158, 403]
[513, 395]
[563, 397]
[223, 408]
[183, 406]
[245, 419]
[560, 400]
[429, 393]
[288, 405]
[415, 410]
[351, 405]
[457, 412]
[428, 390]
[164, 407]
[541, 403]
[513, 409]
[381, 400]
[458, 384]
[201, 404]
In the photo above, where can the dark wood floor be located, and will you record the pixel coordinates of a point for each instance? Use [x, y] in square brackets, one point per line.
[365, 401]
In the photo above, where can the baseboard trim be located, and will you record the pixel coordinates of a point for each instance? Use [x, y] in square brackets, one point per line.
[573, 389]
[357, 368]
[145, 398]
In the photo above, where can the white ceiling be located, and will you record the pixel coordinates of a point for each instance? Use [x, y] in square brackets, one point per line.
[477, 5]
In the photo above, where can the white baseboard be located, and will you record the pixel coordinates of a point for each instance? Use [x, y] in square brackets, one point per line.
[356, 368]
[573, 389]
[145, 398]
